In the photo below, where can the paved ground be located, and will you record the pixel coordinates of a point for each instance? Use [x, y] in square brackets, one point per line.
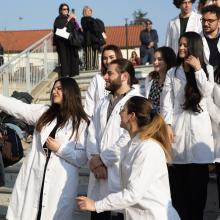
[211, 211]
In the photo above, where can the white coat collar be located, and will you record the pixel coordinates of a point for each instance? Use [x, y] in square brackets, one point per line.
[46, 130]
[191, 21]
[206, 47]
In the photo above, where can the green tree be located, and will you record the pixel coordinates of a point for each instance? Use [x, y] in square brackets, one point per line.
[138, 17]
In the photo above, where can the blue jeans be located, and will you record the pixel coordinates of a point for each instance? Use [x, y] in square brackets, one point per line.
[148, 56]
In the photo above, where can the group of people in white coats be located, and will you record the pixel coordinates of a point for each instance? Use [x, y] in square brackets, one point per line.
[123, 138]
[104, 146]
[189, 104]
[64, 140]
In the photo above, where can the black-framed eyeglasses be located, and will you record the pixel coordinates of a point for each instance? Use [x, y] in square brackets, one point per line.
[209, 21]
[65, 9]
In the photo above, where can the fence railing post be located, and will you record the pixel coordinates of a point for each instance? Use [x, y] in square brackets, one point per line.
[28, 72]
[45, 59]
[6, 82]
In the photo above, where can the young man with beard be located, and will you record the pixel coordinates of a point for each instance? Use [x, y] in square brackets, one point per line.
[211, 34]
[105, 136]
[186, 21]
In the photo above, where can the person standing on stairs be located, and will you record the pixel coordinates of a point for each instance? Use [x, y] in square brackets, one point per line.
[105, 136]
[67, 52]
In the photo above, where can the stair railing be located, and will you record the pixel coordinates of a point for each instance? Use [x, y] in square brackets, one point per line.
[27, 69]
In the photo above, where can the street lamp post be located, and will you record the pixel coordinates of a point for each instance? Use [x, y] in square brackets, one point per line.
[126, 36]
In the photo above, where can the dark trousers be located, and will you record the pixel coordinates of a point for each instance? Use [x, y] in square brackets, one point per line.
[68, 58]
[106, 216]
[217, 170]
[188, 185]
[91, 58]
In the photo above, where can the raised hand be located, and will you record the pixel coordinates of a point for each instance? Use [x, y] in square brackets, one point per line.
[193, 62]
[52, 144]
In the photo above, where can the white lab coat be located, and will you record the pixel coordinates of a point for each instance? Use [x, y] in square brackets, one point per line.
[214, 110]
[103, 135]
[193, 139]
[173, 29]
[61, 178]
[147, 85]
[206, 48]
[95, 92]
[145, 191]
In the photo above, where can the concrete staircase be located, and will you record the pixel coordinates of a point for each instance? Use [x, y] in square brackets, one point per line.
[41, 94]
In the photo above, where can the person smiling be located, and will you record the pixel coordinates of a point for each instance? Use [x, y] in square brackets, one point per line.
[164, 59]
[105, 134]
[144, 192]
[47, 182]
[184, 107]
[96, 89]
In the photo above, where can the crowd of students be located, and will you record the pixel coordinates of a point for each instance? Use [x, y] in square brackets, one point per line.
[148, 154]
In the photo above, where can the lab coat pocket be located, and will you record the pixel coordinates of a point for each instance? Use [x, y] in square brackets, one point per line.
[177, 86]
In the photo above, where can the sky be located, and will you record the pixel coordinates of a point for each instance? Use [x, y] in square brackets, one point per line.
[40, 14]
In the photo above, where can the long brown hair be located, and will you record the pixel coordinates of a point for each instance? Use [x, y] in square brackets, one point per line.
[118, 54]
[70, 108]
[150, 123]
[192, 93]
[169, 57]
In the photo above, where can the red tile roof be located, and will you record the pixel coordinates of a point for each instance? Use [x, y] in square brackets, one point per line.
[17, 41]
[117, 35]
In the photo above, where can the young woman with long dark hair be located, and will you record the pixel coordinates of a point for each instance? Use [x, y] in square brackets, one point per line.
[184, 107]
[164, 59]
[48, 179]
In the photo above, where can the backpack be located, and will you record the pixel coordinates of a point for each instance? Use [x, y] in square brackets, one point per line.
[6, 118]
[12, 150]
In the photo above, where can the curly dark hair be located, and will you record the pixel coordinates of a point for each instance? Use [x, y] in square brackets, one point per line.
[177, 3]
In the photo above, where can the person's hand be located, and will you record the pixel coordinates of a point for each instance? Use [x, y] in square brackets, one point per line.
[52, 144]
[95, 162]
[194, 63]
[100, 172]
[85, 203]
[170, 133]
[151, 44]
[71, 16]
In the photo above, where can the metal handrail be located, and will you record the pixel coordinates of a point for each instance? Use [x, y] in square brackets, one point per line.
[26, 50]
[27, 69]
